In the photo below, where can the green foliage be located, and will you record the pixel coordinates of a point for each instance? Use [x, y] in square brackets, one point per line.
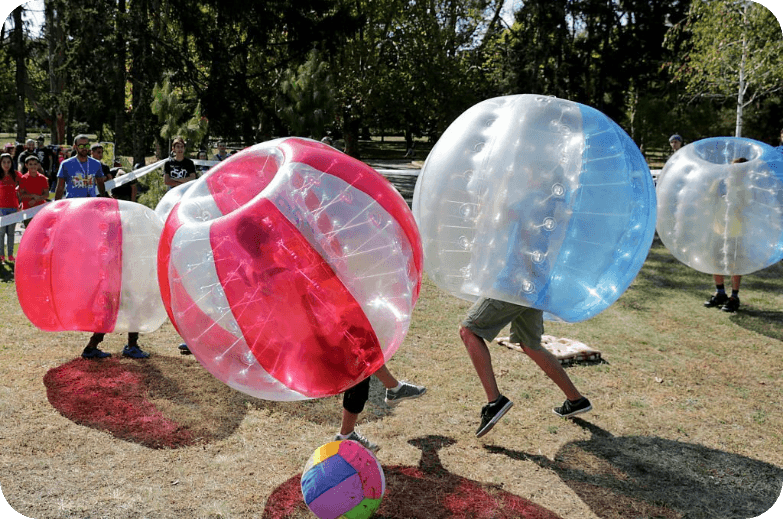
[404, 67]
[727, 38]
[306, 102]
[155, 189]
[172, 112]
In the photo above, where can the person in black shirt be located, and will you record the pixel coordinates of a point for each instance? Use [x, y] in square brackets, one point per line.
[178, 170]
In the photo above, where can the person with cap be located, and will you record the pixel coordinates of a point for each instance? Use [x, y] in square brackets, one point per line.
[675, 141]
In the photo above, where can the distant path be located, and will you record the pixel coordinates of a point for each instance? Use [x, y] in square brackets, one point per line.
[401, 173]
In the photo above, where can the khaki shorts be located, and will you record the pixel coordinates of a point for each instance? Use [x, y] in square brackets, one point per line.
[488, 316]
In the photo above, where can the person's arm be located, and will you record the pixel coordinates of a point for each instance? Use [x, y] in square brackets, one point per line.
[60, 189]
[101, 187]
[133, 192]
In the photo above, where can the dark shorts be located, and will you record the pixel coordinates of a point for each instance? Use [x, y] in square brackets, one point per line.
[488, 316]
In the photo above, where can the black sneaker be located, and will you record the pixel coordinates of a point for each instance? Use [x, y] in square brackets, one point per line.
[491, 413]
[732, 305]
[716, 300]
[184, 350]
[569, 408]
[134, 352]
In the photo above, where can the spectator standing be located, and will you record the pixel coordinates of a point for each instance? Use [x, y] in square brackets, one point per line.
[29, 149]
[47, 158]
[126, 191]
[96, 152]
[33, 189]
[221, 154]
[80, 176]
[9, 203]
[201, 169]
[179, 169]
[675, 141]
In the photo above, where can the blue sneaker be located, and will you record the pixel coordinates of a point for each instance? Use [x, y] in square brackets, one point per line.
[134, 352]
[94, 353]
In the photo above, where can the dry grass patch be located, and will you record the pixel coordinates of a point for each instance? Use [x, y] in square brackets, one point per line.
[687, 420]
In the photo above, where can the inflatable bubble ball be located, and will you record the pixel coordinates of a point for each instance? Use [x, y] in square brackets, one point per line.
[291, 270]
[720, 205]
[537, 201]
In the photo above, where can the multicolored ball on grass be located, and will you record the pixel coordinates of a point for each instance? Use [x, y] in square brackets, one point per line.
[342, 479]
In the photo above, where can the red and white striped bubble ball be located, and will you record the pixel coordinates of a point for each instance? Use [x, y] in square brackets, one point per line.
[291, 270]
[90, 264]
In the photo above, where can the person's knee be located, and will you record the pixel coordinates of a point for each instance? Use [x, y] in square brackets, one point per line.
[466, 334]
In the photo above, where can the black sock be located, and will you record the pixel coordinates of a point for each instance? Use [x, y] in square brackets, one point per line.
[735, 294]
[720, 289]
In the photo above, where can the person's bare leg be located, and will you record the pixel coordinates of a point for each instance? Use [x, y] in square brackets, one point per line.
[735, 282]
[553, 369]
[482, 362]
[387, 379]
[349, 422]
[718, 278]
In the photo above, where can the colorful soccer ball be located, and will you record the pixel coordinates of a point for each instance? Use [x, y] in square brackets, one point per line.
[342, 479]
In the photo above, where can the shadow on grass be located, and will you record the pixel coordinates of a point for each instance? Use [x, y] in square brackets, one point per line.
[638, 476]
[427, 491]
[6, 272]
[167, 402]
[763, 322]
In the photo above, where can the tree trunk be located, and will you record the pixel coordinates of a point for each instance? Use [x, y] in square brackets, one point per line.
[119, 81]
[21, 74]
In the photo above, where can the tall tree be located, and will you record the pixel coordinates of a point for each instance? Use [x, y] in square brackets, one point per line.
[733, 50]
[19, 54]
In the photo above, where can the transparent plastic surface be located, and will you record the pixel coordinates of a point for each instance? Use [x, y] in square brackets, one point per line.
[537, 201]
[89, 264]
[291, 270]
[718, 217]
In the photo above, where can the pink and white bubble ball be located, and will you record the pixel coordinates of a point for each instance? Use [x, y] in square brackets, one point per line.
[291, 270]
[90, 264]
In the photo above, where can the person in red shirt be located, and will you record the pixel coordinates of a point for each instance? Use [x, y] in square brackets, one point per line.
[9, 203]
[33, 187]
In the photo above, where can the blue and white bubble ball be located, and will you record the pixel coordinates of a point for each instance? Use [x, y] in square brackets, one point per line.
[718, 216]
[537, 201]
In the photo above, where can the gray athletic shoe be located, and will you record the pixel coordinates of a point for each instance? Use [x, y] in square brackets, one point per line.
[407, 391]
[358, 438]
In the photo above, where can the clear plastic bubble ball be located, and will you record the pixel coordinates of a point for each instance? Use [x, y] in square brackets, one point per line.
[537, 201]
[90, 264]
[721, 217]
[291, 270]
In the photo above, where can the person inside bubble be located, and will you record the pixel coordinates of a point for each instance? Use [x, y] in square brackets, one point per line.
[356, 397]
[726, 303]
